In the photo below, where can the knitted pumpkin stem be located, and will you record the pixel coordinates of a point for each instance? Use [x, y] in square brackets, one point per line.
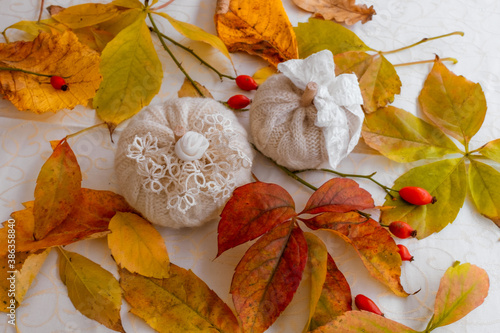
[309, 94]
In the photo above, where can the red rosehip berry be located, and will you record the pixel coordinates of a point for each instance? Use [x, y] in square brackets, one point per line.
[404, 253]
[238, 102]
[402, 229]
[58, 83]
[246, 82]
[416, 196]
[364, 303]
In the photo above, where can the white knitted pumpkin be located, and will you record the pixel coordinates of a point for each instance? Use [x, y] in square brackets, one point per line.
[317, 133]
[182, 181]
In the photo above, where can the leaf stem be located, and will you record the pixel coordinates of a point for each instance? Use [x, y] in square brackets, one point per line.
[453, 60]
[460, 33]
[164, 5]
[187, 49]
[83, 130]
[160, 37]
[27, 72]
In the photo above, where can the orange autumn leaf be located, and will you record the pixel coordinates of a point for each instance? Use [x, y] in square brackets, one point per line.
[253, 210]
[179, 303]
[268, 275]
[259, 27]
[57, 189]
[52, 54]
[377, 251]
[341, 11]
[8, 278]
[89, 219]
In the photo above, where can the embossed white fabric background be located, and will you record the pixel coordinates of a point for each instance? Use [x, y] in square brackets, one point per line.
[471, 238]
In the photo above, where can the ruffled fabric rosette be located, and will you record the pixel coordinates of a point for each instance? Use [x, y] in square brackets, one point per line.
[338, 101]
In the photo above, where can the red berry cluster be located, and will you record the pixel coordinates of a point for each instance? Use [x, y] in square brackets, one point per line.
[244, 82]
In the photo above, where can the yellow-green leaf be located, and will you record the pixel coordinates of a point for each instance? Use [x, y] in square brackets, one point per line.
[446, 180]
[93, 290]
[128, 3]
[132, 74]
[491, 150]
[316, 35]
[180, 303]
[85, 15]
[261, 75]
[121, 21]
[137, 246]
[197, 34]
[28, 272]
[455, 104]
[57, 190]
[462, 289]
[403, 137]
[362, 321]
[484, 184]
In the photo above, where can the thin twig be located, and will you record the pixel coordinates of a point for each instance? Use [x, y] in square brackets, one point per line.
[27, 72]
[460, 33]
[41, 11]
[160, 37]
[84, 130]
[453, 60]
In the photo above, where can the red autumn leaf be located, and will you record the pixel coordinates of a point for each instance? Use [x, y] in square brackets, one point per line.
[57, 189]
[268, 275]
[339, 195]
[89, 219]
[330, 219]
[377, 250]
[253, 210]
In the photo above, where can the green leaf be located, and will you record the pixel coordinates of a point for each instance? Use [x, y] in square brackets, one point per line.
[316, 35]
[86, 15]
[446, 180]
[462, 289]
[132, 74]
[491, 150]
[197, 34]
[361, 321]
[403, 137]
[93, 290]
[453, 103]
[484, 182]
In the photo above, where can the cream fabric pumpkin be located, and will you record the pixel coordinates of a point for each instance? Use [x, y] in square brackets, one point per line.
[186, 181]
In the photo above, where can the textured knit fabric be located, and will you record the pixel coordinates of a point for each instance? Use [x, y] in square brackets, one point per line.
[170, 191]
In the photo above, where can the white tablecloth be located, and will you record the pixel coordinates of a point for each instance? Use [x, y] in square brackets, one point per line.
[471, 238]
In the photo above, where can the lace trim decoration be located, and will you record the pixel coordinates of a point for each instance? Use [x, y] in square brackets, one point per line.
[212, 176]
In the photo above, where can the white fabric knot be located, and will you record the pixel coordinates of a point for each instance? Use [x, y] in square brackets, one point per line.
[191, 146]
[338, 101]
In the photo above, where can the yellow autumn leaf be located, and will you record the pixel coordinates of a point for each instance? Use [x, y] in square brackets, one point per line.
[195, 33]
[85, 15]
[33, 28]
[259, 27]
[93, 291]
[51, 54]
[261, 75]
[132, 74]
[137, 246]
[28, 272]
[128, 3]
[188, 90]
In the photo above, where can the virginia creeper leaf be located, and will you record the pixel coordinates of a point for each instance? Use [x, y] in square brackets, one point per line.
[197, 34]
[484, 182]
[362, 321]
[57, 190]
[121, 21]
[330, 219]
[403, 137]
[52, 54]
[33, 28]
[316, 35]
[93, 290]
[453, 103]
[89, 219]
[378, 79]
[268, 275]
[137, 246]
[330, 292]
[338, 195]
[128, 3]
[491, 150]
[179, 303]
[132, 74]
[377, 250]
[259, 27]
[85, 15]
[253, 210]
[462, 289]
[341, 11]
[446, 180]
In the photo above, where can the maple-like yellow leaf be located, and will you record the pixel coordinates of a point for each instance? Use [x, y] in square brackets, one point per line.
[52, 54]
[259, 27]
[341, 11]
